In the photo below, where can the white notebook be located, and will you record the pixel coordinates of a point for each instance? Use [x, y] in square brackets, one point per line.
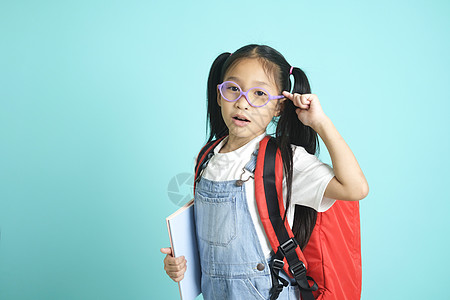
[183, 240]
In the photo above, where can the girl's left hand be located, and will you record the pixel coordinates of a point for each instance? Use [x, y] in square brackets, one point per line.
[309, 110]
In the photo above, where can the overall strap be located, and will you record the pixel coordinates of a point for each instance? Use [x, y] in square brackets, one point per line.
[203, 157]
[269, 199]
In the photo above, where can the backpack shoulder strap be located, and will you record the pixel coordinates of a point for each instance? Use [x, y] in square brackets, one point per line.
[269, 199]
[202, 157]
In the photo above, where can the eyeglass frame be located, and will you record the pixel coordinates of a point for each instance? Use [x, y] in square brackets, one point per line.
[219, 86]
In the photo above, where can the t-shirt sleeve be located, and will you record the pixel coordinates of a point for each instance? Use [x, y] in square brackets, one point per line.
[310, 180]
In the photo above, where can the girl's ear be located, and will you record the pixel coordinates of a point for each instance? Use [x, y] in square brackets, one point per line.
[280, 107]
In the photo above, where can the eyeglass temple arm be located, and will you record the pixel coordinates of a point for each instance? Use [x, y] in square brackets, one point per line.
[275, 97]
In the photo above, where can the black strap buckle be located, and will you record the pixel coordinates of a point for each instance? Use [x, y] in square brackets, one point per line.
[298, 269]
[288, 246]
[275, 291]
[275, 267]
[299, 272]
[277, 264]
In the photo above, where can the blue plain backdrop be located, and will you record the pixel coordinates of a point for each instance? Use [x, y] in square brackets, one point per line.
[102, 111]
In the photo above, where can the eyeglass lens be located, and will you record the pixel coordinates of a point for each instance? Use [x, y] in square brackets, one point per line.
[256, 96]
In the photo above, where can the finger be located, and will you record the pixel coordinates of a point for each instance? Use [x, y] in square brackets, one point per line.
[175, 260]
[178, 279]
[178, 275]
[180, 259]
[287, 95]
[174, 267]
[305, 99]
[172, 261]
[297, 99]
[299, 102]
[166, 250]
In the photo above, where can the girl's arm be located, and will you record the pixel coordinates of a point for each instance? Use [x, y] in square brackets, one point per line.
[349, 182]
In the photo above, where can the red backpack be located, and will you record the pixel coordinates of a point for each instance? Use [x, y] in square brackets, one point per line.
[329, 267]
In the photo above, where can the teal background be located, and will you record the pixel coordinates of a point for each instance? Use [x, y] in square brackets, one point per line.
[102, 103]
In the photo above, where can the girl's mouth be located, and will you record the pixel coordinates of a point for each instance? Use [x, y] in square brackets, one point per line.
[240, 120]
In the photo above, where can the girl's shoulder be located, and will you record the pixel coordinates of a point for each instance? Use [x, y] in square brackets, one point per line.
[300, 152]
[303, 160]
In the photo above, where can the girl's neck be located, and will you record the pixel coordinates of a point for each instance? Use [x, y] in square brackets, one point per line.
[232, 143]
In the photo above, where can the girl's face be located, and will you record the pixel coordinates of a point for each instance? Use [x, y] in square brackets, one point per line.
[248, 73]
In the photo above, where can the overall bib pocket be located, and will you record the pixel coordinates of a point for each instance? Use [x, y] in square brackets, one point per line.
[216, 219]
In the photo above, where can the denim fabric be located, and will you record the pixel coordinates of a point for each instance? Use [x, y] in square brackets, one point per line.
[229, 248]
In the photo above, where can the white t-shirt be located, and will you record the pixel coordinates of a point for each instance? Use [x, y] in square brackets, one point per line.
[309, 181]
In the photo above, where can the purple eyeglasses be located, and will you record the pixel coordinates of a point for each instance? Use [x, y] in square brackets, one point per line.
[256, 96]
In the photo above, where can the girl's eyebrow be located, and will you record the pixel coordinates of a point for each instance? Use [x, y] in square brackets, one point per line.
[256, 81]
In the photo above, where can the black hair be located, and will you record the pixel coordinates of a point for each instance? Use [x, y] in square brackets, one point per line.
[289, 129]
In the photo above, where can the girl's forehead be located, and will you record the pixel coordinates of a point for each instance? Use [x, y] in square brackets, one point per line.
[251, 70]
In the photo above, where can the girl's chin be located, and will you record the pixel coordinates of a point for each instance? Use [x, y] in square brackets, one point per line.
[243, 133]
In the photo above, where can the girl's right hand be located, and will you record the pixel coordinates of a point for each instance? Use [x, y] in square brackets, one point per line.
[175, 266]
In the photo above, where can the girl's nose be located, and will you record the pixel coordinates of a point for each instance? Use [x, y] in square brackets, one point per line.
[242, 102]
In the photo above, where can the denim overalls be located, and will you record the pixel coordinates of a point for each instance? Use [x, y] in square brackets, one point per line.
[232, 261]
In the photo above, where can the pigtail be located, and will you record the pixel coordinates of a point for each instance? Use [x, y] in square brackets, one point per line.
[298, 133]
[217, 127]
[290, 130]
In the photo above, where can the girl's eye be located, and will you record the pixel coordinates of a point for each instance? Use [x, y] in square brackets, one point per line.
[260, 93]
[233, 88]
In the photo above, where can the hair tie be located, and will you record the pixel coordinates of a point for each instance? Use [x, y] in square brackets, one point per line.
[231, 53]
[290, 71]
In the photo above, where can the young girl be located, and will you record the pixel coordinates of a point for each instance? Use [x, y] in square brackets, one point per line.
[246, 91]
